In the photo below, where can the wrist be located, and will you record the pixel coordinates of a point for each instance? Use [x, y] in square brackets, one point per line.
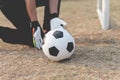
[34, 24]
[54, 15]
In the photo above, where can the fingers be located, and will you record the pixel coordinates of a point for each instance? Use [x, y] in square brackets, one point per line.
[38, 43]
[57, 23]
[37, 38]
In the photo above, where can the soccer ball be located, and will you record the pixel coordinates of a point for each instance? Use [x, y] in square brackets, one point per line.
[58, 44]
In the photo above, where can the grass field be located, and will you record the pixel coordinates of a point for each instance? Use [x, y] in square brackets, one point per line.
[97, 53]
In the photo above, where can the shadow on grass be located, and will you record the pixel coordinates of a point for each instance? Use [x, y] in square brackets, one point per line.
[15, 36]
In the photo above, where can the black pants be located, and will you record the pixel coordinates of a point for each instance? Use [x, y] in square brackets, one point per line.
[15, 11]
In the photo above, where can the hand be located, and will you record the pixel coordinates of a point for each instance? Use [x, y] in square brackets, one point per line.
[56, 23]
[37, 38]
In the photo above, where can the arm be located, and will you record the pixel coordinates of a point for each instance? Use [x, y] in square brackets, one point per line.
[36, 29]
[31, 9]
[55, 22]
[53, 6]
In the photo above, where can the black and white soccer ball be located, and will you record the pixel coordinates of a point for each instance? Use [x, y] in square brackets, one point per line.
[58, 44]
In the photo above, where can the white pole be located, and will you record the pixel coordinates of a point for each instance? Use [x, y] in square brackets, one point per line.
[99, 3]
[99, 10]
[105, 14]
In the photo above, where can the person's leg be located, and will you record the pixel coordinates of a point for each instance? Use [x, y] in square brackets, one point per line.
[1, 3]
[48, 12]
[15, 12]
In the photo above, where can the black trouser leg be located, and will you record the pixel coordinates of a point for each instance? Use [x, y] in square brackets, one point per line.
[15, 11]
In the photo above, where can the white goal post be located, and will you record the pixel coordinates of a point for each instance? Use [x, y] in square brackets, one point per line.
[103, 10]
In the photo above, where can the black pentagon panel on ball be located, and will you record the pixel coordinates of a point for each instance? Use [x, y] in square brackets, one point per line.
[70, 46]
[58, 34]
[53, 51]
